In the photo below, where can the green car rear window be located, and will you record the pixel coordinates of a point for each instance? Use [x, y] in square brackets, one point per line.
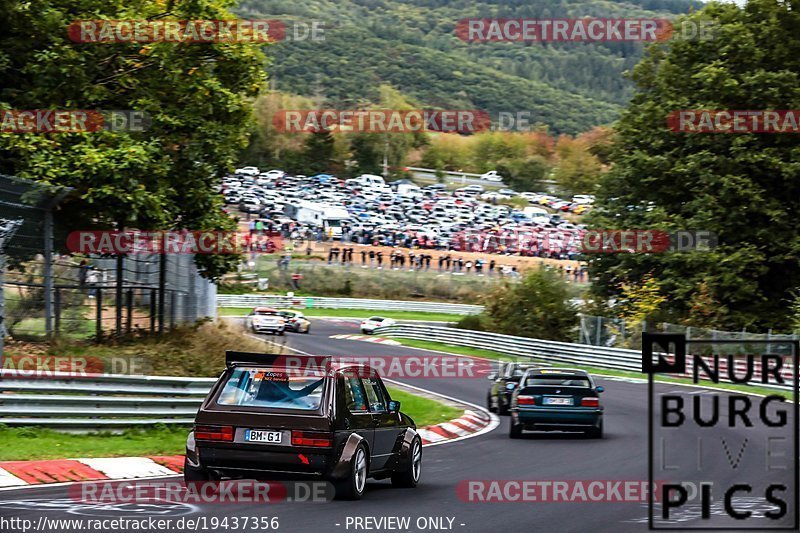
[558, 381]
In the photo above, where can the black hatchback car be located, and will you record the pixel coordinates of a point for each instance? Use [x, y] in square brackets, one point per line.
[504, 382]
[287, 416]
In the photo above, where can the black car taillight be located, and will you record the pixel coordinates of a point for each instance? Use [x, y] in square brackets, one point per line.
[590, 402]
[214, 433]
[312, 439]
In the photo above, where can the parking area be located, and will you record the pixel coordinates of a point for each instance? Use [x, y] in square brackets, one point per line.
[366, 210]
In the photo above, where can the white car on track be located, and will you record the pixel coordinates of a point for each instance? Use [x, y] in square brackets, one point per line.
[492, 175]
[370, 324]
[266, 319]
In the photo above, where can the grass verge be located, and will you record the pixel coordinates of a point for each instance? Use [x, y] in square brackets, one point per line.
[30, 443]
[424, 411]
[197, 350]
[489, 354]
[355, 313]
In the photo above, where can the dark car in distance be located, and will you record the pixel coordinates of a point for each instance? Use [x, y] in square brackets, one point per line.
[504, 382]
[557, 399]
[289, 416]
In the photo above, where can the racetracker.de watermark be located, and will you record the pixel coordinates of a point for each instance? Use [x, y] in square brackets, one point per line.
[580, 30]
[55, 366]
[592, 241]
[173, 242]
[552, 491]
[194, 31]
[199, 493]
[72, 121]
[427, 366]
[734, 121]
[381, 120]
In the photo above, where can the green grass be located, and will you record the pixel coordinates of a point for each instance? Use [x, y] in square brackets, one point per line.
[24, 444]
[489, 354]
[355, 313]
[34, 328]
[424, 411]
[29, 443]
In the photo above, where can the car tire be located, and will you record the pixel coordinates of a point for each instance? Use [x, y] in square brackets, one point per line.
[409, 478]
[308, 330]
[281, 332]
[516, 431]
[502, 410]
[192, 474]
[596, 433]
[352, 487]
[489, 405]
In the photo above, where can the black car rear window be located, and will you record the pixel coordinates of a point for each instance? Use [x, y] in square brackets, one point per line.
[272, 389]
[558, 381]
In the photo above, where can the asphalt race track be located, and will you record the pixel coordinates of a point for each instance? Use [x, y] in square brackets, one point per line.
[621, 455]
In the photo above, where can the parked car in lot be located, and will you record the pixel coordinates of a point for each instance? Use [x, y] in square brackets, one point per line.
[296, 321]
[265, 319]
[265, 419]
[557, 399]
[505, 382]
[372, 323]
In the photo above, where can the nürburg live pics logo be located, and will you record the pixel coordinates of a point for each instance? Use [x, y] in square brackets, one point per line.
[723, 445]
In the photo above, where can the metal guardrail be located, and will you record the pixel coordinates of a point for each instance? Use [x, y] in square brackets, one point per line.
[542, 351]
[318, 302]
[96, 401]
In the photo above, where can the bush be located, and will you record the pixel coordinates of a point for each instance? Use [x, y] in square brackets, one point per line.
[473, 322]
[537, 307]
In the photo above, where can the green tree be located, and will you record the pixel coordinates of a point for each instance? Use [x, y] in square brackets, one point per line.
[318, 154]
[742, 187]
[577, 169]
[198, 97]
[525, 174]
[538, 306]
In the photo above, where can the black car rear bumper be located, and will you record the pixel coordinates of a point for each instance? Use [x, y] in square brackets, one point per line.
[231, 462]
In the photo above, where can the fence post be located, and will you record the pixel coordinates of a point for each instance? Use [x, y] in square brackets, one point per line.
[598, 325]
[118, 294]
[623, 332]
[769, 340]
[129, 309]
[99, 316]
[162, 287]
[153, 296]
[48, 273]
[57, 310]
[172, 298]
